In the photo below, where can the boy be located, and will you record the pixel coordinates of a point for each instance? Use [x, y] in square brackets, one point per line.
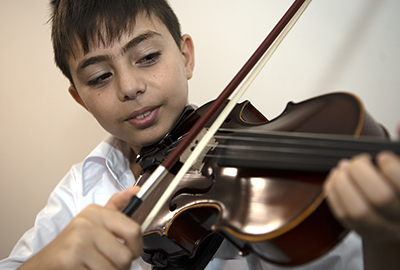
[128, 66]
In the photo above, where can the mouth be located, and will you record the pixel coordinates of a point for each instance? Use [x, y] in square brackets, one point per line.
[141, 116]
[144, 117]
[142, 113]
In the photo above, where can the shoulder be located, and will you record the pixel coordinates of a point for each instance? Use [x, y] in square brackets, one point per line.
[85, 183]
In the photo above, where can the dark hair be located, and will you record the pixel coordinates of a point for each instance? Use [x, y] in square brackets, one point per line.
[89, 23]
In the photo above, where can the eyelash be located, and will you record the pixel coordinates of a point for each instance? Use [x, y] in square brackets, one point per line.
[99, 79]
[148, 60]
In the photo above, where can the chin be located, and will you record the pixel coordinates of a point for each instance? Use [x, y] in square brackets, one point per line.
[152, 140]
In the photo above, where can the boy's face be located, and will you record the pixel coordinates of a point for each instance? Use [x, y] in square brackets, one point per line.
[137, 87]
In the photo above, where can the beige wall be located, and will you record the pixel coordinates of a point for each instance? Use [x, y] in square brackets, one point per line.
[337, 46]
[43, 131]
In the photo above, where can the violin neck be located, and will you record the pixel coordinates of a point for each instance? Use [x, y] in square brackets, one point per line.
[296, 151]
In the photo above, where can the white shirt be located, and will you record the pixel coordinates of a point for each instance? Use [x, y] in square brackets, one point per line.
[105, 172]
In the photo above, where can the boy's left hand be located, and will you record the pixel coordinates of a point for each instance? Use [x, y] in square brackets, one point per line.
[366, 198]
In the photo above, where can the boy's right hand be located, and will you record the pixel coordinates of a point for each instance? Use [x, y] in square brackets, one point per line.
[98, 238]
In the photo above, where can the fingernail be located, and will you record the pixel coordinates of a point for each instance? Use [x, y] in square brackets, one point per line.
[383, 156]
[332, 173]
[343, 163]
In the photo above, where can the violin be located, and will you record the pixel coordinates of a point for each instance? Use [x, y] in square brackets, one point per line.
[260, 184]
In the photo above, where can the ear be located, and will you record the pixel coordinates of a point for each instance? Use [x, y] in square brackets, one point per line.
[187, 49]
[75, 96]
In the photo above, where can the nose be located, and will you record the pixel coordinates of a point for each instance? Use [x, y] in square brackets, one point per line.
[130, 86]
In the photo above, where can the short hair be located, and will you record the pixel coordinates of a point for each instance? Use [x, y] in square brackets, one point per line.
[89, 23]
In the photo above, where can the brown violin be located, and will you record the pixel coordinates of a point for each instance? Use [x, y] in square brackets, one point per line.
[260, 184]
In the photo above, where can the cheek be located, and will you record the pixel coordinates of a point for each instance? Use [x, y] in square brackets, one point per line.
[178, 83]
[173, 73]
[100, 107]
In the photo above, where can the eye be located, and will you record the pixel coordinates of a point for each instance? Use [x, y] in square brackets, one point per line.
[99, 80]
[149, 59]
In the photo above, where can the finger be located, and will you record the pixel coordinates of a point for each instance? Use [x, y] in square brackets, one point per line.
[368, 179]
[331, 189]
[344, 197]
[332, 196]
[389, 165]
[124, 228]
[116, 252]
[89, 260]
[95, 260]
[77, 242]
[375, 188]
[349, 205]
[119, 200]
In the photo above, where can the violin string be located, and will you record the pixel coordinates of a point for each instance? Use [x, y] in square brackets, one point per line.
[322, 148]
[307, 139]
[260, 153]
[254, 153]
[310, 141]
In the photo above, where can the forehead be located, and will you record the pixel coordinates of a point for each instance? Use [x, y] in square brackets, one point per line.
[104, 39]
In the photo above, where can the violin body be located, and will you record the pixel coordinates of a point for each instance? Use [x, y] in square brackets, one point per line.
[263, 207]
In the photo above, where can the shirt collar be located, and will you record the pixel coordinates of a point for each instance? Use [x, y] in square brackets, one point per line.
[110, 155]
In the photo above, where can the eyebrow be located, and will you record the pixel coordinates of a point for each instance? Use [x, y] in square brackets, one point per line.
[101, 58]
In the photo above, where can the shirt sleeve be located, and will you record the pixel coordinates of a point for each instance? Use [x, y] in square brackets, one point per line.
[50, 221]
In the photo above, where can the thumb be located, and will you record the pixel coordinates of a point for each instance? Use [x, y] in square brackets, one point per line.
[119, 200]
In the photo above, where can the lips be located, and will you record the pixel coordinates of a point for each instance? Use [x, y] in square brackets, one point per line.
[144, 117]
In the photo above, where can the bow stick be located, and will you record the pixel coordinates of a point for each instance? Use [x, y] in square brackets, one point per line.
[264, 52]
